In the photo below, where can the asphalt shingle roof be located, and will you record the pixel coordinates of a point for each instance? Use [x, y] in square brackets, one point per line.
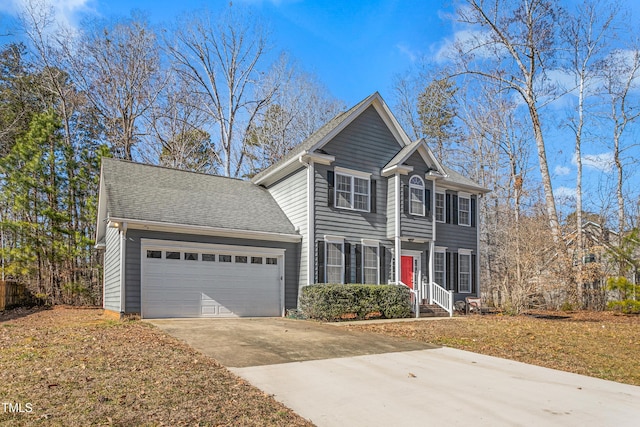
[153, 193]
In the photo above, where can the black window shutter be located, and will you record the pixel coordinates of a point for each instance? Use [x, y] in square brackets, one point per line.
[383, 264]
[405, 198]
[448, 207]
[455, 272]
[473, 211]
[330, 188]
[454, 214]
[426, 262]
[449, 279]
[373, 197]
[358, 263]
[474, 279]
[321, 277]
[427, 202]
[347, 263]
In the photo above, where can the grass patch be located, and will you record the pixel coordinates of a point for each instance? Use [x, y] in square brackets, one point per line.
[76, 368]
[598, 344]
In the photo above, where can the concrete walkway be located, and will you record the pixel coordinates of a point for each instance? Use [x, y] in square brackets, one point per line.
[335, 377]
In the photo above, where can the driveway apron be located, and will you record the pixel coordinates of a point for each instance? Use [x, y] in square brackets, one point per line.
[335, 377]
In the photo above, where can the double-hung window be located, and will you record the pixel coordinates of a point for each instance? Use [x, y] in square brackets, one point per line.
[416, 196]
[370, 263]
[440, 207]
[352, 190]
[464, 272]
[464, 209]
[335, 262]
[439, 267]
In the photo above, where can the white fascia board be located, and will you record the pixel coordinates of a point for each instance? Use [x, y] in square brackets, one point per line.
[370, 242]
[207, 231]
[333, 239]
[401, 169]
[284, 169]
[101, 225]
[323, 159]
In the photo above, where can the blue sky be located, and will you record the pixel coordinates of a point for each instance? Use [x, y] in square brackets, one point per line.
[356, 47]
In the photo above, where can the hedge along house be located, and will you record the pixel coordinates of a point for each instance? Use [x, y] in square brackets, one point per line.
[357, 202]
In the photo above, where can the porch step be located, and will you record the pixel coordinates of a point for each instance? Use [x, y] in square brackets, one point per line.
[432, 310]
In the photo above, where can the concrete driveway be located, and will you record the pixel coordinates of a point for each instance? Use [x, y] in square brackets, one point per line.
[335, 377]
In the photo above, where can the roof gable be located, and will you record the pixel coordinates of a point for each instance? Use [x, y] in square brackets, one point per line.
[327, 132]
[425, 153]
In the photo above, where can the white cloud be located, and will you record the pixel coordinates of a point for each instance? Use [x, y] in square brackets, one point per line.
[564, 193]
[406, 50]
[602, 162]
[64, 11]
[562, 170]
[475, 41]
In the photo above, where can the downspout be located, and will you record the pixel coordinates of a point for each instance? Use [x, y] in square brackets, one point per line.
[398, 245]
[123, 250]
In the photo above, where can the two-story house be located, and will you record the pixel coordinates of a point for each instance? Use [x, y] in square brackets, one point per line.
[357, 202]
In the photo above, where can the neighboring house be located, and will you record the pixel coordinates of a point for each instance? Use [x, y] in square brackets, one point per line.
[357, 202]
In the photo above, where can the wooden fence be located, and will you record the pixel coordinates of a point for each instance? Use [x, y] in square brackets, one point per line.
[12, 294]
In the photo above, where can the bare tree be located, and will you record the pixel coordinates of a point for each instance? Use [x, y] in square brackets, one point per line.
[587, 33]
[117, 65]
[519, 37]
[620, 77]
[221, 59]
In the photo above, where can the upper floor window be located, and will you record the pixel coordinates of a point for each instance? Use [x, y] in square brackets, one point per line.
[464, 210]
[416, 196]
[440, 207]
[352, 192]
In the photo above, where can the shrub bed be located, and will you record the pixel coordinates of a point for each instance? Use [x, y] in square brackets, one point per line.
[336, 302]
[626, 306]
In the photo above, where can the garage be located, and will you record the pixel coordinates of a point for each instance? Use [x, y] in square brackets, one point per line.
[182, 279]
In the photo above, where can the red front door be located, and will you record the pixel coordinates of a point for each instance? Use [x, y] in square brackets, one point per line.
[406, 271]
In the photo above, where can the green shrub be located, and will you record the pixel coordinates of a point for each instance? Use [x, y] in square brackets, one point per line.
[627, 306]
[335, 302]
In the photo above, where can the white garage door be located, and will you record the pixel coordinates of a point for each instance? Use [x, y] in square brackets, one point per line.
[191, 280]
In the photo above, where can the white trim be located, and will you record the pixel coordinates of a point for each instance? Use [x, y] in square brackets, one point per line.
[402, 169]
[440, 248]
[349, 174]
[123, 260]
[465, 253]
[424, 195]
[411, 252]
[208, 231]
[444, 206]
[464, 196]
[326, 258]
[370, 242]
[416, 256]
[333, 238]
[323, 159]
[283, 166]
[398, 243]
[352, 172]
[311, 246]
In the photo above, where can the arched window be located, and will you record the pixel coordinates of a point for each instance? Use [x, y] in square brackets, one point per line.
[416, 196]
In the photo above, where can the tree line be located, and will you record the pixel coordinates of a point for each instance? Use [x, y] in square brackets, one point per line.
[518, 75]
[205, 93]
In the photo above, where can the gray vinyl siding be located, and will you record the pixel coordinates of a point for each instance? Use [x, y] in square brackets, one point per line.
[414, 226]
[112, 270]
[364, 145]
[291, 194]
[132, 277]
[455, 236]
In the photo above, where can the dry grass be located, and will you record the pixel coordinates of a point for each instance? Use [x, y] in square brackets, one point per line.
[602, 345]
[77, 368]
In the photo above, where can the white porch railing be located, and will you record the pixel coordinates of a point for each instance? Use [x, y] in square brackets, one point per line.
[439, 296]
[414, 299]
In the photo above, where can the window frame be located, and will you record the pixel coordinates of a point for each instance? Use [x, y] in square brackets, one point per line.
[465, 254]
[443, 207]
[467, 198]
[328, 244]
[440, 251]
[375, 246]
[351, 201]
[421, 190]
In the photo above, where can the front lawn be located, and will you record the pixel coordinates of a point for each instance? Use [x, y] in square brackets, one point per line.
[598, 344]
[73, 367]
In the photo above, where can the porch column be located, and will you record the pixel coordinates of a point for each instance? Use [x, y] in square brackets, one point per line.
[432, 247]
